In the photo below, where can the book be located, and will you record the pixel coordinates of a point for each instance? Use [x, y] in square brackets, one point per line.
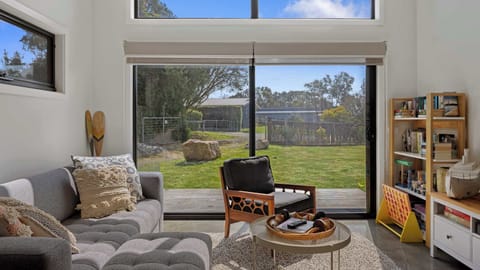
[450, 104]
[300, 229]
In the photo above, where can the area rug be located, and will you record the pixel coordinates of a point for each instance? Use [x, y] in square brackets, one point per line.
[236, 253]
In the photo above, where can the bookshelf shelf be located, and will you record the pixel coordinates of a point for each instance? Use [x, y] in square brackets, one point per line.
[399, 118]
[411, 155]
[411, 192]
[449, 118]
[446, 160]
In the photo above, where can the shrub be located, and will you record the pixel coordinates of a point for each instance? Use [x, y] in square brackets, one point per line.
[194, 115]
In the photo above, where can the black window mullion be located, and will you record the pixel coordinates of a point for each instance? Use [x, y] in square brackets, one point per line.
[254, 9]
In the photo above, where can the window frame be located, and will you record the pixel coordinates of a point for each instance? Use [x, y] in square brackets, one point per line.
[254, 15]
[14, 20]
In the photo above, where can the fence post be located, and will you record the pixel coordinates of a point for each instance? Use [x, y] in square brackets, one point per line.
[143, 129]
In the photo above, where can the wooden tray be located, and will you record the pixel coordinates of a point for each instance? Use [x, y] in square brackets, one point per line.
[299, 236]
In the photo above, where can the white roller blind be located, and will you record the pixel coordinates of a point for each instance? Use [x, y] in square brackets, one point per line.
[141, 52]
[320, 53]
[188, 52]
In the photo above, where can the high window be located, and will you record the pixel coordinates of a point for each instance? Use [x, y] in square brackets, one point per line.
[245, 9]
[27, 54]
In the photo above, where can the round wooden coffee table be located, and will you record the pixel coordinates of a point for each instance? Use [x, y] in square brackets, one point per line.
[262, 236]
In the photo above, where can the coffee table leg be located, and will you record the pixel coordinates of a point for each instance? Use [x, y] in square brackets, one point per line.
[254, 254]
[338, 259]
[331, 260]
[274, 260]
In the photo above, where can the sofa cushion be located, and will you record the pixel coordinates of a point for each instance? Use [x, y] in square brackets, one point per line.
[41, 223]
[133, 179]
[163, 251]
[10, 224]
[103, 191]
[283, 199]
[249, 174]
[43, 189]
[144, 219]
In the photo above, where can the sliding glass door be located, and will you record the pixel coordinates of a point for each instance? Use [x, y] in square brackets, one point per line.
[314, 118]
[315, 122]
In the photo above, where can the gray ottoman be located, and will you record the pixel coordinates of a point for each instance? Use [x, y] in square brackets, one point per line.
[167, 250]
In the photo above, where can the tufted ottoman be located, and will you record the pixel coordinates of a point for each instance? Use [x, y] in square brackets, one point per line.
[167, 250]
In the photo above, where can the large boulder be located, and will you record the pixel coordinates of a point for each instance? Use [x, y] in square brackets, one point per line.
[260, 144]
[197, 150]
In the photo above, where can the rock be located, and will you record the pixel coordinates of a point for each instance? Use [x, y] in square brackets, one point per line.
[197, 150]
[260, 144]
[146, 150]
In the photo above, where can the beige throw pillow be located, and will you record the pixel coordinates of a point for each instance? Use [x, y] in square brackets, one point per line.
[103, 191]
[41, 223]
[126, 161]
[10, 224]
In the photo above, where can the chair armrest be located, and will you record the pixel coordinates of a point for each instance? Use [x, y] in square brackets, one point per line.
[43, 253]
[304, 188]
[252, 200]
[152, 185]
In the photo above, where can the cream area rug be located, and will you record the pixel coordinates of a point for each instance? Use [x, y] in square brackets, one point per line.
[236, 253]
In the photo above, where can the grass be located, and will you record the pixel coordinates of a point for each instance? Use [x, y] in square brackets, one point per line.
[322, 166]
[210, 136]
[258, 129]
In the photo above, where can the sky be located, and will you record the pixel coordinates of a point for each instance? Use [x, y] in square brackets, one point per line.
[10, 36]
[286, 78]
[271, 8]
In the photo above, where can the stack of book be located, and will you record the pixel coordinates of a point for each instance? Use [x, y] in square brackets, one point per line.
[443, 151]
[457, 216]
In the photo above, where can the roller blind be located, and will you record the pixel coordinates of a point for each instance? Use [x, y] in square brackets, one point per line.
[188, 52]
[139, 52]
[320, 53]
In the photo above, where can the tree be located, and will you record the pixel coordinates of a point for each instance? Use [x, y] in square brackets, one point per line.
[154, 9]
[172, 91]
[336, 89]
[13, 65]
[337, 114]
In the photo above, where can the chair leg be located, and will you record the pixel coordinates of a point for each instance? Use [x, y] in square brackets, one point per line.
[227, 227]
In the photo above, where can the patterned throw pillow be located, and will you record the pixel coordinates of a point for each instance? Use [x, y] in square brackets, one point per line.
[133, 179]
[103, 191]
[41, 223]
[10, 224]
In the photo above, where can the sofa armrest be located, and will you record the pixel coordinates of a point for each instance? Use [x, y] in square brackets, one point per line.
[18, 253]
[152, 185]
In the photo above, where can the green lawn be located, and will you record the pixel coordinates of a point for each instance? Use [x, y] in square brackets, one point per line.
[322, 166]
[210, 136]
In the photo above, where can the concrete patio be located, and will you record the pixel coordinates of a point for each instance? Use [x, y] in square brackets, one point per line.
[211, 200]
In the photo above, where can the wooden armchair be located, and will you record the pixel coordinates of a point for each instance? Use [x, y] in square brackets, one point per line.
[249, 191]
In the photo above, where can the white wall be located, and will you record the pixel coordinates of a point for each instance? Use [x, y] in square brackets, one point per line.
[40, 130]
[448, 54]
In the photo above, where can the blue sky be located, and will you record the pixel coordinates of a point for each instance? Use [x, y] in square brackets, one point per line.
[271, 8]
[10, 40]
[286, 78]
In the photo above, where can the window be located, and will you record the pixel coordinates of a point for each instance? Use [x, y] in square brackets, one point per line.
[27, 54]
[245, 9]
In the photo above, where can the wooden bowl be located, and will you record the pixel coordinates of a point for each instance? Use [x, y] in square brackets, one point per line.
[270, 224]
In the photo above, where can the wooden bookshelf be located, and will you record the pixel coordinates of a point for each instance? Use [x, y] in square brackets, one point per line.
[431, 124]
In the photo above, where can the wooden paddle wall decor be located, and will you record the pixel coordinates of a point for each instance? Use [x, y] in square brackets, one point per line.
[89, 129]
[95, 131]
[98, 131]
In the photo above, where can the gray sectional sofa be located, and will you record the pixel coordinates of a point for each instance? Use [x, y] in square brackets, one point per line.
[124, 240]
